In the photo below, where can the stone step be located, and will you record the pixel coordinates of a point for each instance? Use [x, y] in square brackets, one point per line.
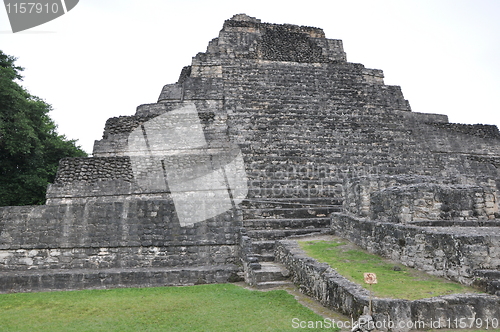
[274, 284]
[264, 250]
[346, 163]
[263, 246]
[307, 129]
[291, 180]
[74, 279]
[285, 224]
[290, 192]
[274, 161]
[322, 139]
[271, 271]
[259, 176]
[295, 135]
[488, 280]
[265, 257]
[291, 203]
[290, 213]
[341, 115]
[276, 234]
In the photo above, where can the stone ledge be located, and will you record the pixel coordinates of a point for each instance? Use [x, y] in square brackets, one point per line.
[74, 279]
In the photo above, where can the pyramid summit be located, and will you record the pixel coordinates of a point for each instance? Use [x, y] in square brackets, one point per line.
[269, 133]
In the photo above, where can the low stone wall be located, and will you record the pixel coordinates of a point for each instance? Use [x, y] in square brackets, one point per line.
[320, 281]
[50, 280]
[450, 251]
[249, 260]
[334, 291]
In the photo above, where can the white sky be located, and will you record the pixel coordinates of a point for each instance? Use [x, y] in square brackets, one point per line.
[106, 57]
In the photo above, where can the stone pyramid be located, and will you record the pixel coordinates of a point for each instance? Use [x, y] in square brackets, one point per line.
[263, 136]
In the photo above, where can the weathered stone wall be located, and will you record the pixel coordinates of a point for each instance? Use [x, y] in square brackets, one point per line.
[406, 198]
[117, 130]
[129, 234]
[136, 162]
[453, 251]
[335, 291]
[117, 257]
[488, 280]
[327, 117]
[93, 170]
[479, 130]
[247, 37]
[433, 202]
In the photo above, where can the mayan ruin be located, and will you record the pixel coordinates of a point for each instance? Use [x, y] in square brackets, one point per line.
[269, 134]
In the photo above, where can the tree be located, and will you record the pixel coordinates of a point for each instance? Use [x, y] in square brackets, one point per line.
[30, 148]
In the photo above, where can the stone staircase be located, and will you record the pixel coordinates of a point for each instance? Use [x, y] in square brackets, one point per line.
[489, 280]
[266, 220]
[270, 275]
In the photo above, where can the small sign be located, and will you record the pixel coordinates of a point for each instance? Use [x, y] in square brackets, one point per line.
[370, 278]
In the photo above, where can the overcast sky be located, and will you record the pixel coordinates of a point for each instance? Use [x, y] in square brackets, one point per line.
[106, 57]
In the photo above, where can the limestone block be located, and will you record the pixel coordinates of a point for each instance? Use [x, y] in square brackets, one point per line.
[171, 92]
[26, 261]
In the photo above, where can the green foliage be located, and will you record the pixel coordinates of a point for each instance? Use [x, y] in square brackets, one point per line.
[30, 148]
[222, 307]
[352, 263]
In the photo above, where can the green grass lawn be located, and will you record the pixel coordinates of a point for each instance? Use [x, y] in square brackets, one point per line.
[404, 284]
[221, 307]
